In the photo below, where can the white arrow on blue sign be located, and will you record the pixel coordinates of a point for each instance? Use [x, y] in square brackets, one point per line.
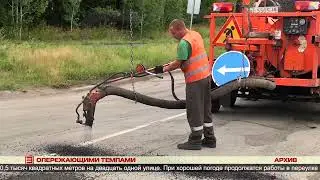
[230, 66]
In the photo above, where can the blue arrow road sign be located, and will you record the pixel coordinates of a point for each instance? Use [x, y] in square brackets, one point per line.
[229, 66]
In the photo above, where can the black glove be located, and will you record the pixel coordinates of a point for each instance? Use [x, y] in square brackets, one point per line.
[158, 69]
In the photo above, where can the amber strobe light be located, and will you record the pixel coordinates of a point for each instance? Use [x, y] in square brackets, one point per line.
[222, 7]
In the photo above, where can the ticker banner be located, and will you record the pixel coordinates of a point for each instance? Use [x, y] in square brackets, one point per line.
[30, 159]
[158, 167]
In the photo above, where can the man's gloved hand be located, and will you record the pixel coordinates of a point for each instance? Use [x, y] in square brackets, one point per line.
[158, 69]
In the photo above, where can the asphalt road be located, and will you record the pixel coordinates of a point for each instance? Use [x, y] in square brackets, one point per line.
[43, 123]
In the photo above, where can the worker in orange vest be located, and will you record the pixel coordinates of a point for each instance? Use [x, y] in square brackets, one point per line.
[193, 61]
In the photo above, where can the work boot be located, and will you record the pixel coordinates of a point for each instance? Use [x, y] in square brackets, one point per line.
[209, 138]
[210, 143]
[193, 143]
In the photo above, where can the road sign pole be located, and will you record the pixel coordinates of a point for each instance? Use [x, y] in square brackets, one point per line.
[194, 2]
[193, 8]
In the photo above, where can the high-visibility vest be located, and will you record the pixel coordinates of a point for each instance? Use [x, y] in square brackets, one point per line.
[197, 66]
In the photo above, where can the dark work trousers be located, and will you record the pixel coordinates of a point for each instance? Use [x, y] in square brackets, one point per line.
[198, 104]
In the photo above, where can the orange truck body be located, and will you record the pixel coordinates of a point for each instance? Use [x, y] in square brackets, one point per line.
[291, 60]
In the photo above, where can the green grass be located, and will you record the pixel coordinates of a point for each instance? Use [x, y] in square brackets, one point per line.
[56, 59]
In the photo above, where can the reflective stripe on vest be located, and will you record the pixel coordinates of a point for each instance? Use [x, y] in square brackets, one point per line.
[197, 66]
[196, 71]
[194, 59]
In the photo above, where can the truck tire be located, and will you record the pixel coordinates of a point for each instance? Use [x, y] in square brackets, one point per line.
[233, 98]
[229, 100]
[233, 101]
[215, 106]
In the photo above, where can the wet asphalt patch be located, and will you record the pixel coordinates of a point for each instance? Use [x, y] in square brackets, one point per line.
[74, 150]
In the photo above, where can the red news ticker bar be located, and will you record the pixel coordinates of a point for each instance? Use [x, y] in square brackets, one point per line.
[86, 160]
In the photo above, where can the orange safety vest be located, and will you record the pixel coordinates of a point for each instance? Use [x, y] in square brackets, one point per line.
[197, 66]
